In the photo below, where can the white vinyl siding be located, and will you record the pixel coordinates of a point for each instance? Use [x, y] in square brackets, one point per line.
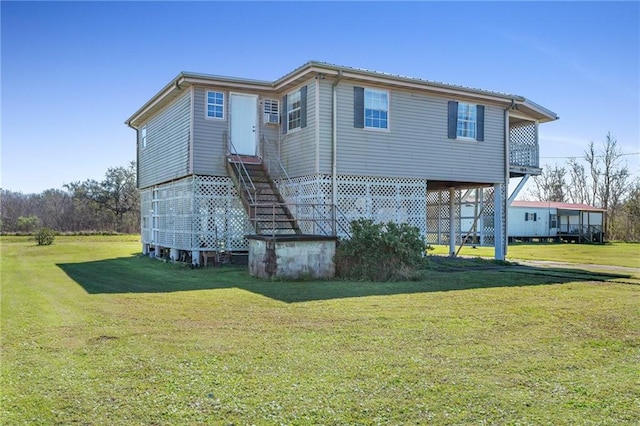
[209, 150]
[166, 155]
[417, 145]
[298, 148]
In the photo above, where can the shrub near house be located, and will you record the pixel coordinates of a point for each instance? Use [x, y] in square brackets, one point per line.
[380, 252]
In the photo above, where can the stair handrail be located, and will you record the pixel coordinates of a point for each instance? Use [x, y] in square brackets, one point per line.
[240, 169]
[332, 217]
[336, 211]
[266, 147]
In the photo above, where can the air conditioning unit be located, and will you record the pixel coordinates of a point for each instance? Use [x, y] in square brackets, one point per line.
[271, 118]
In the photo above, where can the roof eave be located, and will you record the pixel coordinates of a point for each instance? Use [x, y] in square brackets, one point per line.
[544, 115]
[392, 80]
[164, 92]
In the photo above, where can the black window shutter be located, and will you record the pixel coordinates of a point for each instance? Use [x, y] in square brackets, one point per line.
[535, 217]
[303, 106]
[452, 120]
[284, 121]
[358, 107]
[480, 123]
[526, 217]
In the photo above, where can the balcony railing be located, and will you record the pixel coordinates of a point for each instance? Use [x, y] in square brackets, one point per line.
[523, 144]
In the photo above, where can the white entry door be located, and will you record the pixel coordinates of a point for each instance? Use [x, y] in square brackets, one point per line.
[244, 126]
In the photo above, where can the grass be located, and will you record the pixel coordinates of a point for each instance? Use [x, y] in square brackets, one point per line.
[93, 333]
[615, 254]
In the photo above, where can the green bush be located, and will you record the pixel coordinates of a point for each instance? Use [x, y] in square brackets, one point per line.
[380, 252]
[44, 237]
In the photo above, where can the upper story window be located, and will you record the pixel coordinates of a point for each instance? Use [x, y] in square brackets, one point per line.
[215, 104]
[294, 109]
[376, 109]
[467, 119]
[143, 136]
[271, 111]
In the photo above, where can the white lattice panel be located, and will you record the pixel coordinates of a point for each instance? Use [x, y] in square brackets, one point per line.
[195, 213]
[523, 144]
[145, 215]
[379, 199]
[220, 220]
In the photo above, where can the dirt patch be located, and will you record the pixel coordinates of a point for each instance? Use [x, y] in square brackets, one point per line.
[102, 338]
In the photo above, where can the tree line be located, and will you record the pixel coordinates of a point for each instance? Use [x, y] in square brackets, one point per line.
[110, 205]
[600, 178]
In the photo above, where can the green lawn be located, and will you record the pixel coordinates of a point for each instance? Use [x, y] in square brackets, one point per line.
[617, 254]
[93, 334]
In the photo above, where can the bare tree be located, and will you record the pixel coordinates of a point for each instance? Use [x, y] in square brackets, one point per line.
[591, 158]
[550, 185]
[578, 188]
[612, 180]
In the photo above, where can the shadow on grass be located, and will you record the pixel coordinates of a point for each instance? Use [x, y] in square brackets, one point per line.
[139, 274]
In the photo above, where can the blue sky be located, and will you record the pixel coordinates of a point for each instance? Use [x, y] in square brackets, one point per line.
[73, 72]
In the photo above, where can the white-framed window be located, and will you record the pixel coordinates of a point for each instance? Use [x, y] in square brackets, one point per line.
[143, 136]
[294, 110]
[215, 104]
[467, 121]
[376, 109]
[271, 111]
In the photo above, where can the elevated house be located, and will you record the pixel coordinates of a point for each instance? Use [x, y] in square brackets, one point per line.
[223, 157]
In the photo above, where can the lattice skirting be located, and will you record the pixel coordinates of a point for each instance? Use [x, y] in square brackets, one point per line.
[378, 198]
[205, 212]
[195, 213]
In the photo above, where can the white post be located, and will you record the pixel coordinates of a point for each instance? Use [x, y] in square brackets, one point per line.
[145, 249]
[195, 257]
[481, 216]
[498, 237]
[439, 217]
[452, 223]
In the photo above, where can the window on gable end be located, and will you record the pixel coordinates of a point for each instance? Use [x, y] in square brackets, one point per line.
[143, 136]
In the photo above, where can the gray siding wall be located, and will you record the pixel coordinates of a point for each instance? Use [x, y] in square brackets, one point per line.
[298, 147]
[416, 143]
[209, 150]
[166, 155]
[326, 127]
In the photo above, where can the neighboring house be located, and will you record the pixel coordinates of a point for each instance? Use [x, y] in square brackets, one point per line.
[553, 220]
[335, 144]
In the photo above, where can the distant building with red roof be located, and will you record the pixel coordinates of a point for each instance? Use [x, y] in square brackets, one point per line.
[549, 219]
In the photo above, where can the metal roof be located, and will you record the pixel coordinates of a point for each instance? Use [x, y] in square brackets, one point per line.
[556, 205]
[170, 91]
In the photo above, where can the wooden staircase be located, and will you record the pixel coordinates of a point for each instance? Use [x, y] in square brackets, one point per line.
[261, 199]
